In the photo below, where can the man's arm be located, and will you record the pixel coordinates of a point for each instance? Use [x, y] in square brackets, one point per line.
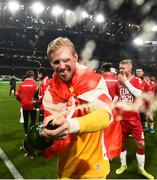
[133, 90]
[94, 121]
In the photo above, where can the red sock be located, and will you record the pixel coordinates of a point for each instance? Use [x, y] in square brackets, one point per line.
[140, 151]
[123, 149]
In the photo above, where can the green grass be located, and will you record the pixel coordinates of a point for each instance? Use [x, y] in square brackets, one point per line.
[11, 136]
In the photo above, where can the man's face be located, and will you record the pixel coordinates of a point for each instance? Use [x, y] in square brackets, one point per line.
[39, 75]
[124, 69]
[63, 62]
[139, 73]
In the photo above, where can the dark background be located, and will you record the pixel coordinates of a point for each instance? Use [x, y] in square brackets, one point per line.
[24, 37]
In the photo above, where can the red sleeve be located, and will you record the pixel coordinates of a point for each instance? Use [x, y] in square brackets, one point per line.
[146, 86]
[137, 83]
[43, 86]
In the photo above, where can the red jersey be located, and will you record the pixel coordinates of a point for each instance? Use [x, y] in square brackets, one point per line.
[153, 87]
[43, 86]
[111, 82]
[125, 94]
[146, 85]
[25, 93]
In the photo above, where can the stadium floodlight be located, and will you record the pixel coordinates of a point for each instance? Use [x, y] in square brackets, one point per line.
[138, 41]
[99, 18]
[68, 12]
[84, 14]
[154, 28]
[13, 6]
[37, 8]
[57, 10]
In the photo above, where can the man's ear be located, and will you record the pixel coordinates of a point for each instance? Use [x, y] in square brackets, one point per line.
[76, 57]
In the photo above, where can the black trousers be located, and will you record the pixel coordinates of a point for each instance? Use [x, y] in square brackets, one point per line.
[12, 88]
[143, 118]
[26, 114]
[41, 116]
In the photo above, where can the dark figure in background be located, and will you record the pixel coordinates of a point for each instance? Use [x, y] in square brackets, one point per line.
[25, 94]
[12, 85]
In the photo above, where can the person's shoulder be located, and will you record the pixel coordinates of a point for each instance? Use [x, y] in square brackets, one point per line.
[112, 77]
[136, 81]
[92, 74]
[135, 78]
[139, 80]
[83, 71]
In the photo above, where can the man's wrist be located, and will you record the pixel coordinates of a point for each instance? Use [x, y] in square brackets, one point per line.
[74, 125]
[126, 82]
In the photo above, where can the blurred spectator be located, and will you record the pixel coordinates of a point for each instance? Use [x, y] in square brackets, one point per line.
[153, 85]
[149, 125]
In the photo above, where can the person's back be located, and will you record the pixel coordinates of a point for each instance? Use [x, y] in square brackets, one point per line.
[25, 94]
[27, 90]
[110, 79]
[111, 82]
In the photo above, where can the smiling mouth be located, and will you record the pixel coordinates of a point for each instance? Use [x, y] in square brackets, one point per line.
[63, 73]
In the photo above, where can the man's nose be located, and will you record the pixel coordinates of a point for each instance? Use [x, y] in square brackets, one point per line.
[62, 65]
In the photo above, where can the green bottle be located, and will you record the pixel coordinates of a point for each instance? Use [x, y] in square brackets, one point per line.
[34, 141]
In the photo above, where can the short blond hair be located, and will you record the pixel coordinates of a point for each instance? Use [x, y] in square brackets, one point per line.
[57, 43]
[126, 61]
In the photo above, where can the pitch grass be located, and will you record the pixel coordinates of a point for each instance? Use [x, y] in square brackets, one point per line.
[11, 136]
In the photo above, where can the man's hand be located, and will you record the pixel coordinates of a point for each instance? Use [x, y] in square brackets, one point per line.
[122, 78]
[34, 102]
[60, 132]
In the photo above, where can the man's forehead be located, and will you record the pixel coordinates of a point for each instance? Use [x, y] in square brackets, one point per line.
[139, 70]
[123, 65]
[62, 55]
